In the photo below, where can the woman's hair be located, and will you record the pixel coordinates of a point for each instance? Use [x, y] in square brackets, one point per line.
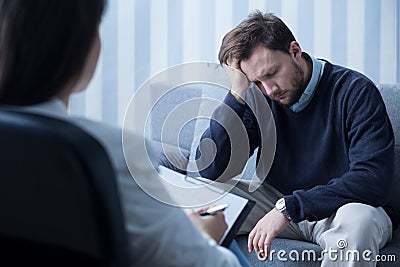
[44, 45]
[257, 29]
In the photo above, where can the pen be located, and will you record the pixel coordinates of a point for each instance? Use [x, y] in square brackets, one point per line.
[214, 210]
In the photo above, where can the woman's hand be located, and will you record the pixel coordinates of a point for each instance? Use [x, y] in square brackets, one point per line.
[212, 225]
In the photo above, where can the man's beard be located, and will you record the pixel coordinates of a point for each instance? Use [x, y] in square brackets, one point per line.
[296, 82]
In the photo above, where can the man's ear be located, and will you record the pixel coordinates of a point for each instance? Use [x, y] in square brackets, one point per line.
[295, 49]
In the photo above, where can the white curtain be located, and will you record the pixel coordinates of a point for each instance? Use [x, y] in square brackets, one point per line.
[142, 37]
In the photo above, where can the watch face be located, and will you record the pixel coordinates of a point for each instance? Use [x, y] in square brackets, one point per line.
[280, 204]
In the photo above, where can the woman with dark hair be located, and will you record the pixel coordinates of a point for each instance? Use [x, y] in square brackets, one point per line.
[48, 51]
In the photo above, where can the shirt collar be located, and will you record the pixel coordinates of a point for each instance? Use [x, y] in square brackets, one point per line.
[306, 96]
[52, 108]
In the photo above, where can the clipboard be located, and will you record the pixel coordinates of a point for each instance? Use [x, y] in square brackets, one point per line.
[238, 210]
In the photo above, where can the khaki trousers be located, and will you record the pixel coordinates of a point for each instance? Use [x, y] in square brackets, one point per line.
[352, 236]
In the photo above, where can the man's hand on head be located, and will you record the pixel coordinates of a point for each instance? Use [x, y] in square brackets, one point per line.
[267, 228]
[239, 81]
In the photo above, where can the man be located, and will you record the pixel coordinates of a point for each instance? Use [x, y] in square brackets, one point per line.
[334, 157]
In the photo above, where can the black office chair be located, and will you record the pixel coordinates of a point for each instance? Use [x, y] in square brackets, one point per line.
[59, 204]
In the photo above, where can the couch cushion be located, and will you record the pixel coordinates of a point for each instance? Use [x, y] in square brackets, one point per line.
[306, 249]
[172, 157]
[211, 96]
[293, 250]
[168, 106]
[190, 120]
[392, 248]
[391, 96]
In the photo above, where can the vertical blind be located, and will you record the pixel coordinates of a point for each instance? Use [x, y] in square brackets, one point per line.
[142, 37]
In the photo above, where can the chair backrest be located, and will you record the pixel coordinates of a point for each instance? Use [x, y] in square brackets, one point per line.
[59, 203]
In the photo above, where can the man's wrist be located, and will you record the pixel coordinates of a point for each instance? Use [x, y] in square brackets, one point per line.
[280, 205]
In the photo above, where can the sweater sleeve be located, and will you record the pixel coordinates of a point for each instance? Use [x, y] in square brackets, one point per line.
[231, 123]
[370, 141]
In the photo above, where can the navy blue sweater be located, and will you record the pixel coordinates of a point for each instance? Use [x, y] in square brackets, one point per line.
[339, 149]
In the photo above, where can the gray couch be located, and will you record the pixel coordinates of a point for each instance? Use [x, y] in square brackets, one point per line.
[191, 132]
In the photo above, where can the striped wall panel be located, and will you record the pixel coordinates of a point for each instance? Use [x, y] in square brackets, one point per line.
[142, 37]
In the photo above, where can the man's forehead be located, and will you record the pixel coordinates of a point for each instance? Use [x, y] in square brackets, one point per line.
[262, 60]
[254, 72]
[258, 64]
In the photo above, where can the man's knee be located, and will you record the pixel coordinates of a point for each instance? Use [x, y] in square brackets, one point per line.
[363, 225]
[359, 216]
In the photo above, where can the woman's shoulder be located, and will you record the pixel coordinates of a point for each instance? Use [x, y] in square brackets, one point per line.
[115, 140]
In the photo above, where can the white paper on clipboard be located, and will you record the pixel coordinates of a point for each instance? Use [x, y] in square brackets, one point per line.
[236, 212]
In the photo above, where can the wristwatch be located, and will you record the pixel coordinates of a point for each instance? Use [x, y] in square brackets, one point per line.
[281, 206]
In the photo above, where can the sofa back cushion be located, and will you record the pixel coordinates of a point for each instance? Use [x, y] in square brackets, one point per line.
[391, 97]
[169, 107]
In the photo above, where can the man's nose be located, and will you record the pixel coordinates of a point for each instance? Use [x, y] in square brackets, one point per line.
[270, 88]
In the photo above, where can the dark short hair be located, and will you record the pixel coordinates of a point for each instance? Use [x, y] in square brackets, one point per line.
[257, 29]
[44, 45]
